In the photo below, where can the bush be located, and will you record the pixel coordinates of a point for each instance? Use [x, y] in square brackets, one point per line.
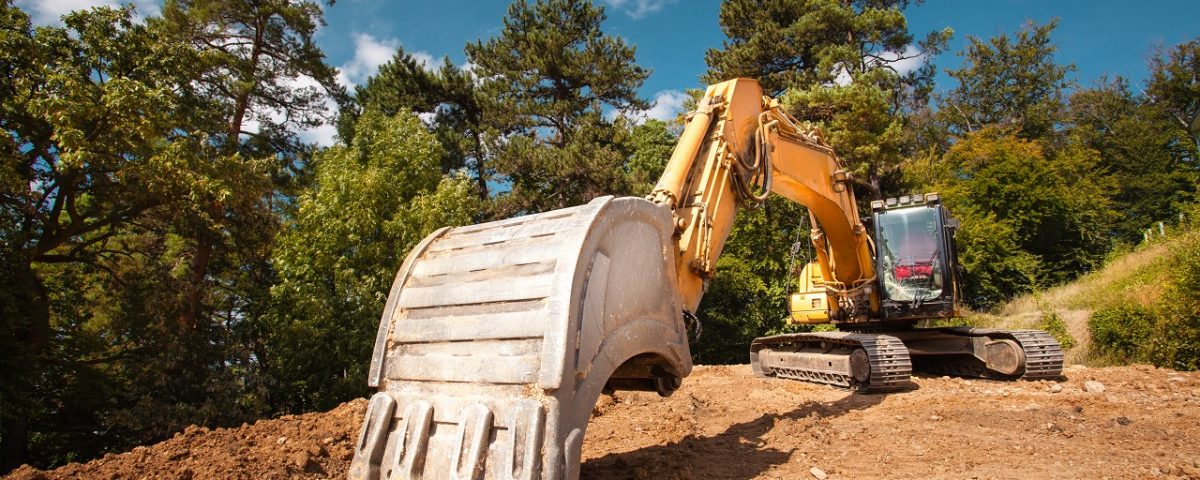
[1177, 336]
[1123, 331]
[1054, 325]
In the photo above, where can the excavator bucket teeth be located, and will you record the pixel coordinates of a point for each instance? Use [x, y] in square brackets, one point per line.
[497, 340]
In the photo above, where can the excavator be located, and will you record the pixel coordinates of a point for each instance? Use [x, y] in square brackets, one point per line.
[497, 339]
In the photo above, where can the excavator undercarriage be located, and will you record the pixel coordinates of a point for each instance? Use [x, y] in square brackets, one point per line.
[884, 362]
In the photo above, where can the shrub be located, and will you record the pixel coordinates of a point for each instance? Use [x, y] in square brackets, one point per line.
[1123, 331]
[1177, 336]
[1054, 325]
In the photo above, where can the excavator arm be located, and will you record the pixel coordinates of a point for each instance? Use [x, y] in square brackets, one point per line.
[736, 143]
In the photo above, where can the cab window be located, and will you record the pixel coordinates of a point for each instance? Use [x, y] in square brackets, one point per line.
[910, 255]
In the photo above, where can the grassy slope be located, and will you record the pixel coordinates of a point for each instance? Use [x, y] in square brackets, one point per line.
[1134, 277]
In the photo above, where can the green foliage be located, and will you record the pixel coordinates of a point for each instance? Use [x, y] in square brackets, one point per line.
[451, 95]
[748, 296]
[1053, 324]
[1123, 331]
[1151, 181]
[652, 143]
[1008, 82]
[792, 44]
[1165, 333]
[1174, 89]
[995, 267]
[95, 159]
[1177, 343]
[401, 85]
[137, 215]
[173, 253]
[546, 78]
[1010, 193]
[834, 63]
[372, 201]
[863, 127]
[728, 313]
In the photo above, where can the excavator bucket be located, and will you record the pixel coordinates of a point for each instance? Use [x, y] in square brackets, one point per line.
[497, 340]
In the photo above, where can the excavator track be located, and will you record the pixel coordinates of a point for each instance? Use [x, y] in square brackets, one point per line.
[1043, 354]
[1040, 355]
[866, 362]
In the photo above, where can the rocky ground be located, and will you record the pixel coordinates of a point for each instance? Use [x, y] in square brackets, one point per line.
[1127, 422]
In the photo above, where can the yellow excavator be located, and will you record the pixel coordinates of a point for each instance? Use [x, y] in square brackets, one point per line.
[497, 339]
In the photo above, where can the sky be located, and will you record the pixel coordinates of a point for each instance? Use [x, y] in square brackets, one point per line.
[1100, 37]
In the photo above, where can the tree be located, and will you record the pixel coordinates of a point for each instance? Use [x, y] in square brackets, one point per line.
[450, 96]
[402, 84]
[1174, 87]
[546, 79]
[372, 200]
[1010, 82]
[755, 275]
[653, 142]
[837, 64]
[260, 79]
[1138, 147]
[1038, 201]
[93, 146]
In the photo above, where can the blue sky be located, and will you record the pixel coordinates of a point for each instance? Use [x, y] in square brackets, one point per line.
[1101, 37]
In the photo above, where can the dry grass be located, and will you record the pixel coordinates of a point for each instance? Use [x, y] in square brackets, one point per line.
[1135, 277]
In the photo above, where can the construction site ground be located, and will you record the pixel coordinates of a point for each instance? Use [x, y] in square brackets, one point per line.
[1120, 422]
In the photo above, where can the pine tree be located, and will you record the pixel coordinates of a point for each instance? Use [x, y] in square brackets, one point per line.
[1009, 82]
[548, 78]
[838, 64]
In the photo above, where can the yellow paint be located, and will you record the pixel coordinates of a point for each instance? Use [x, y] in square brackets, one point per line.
[698, 185]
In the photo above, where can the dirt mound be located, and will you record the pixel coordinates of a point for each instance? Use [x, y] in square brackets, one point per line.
[1128, 422]
[314, 445]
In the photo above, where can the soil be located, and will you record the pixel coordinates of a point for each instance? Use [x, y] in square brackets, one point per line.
[1121, 422]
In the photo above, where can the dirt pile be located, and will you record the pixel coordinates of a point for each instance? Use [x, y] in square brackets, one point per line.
[1129, 422]
[314, 445]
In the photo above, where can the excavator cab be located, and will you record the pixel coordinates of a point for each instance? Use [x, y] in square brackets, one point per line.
[915, 260]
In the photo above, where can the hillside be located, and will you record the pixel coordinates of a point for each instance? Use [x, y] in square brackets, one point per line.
[1134, 278]
[1115, 422]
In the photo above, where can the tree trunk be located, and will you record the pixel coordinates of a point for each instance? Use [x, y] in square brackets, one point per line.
[480, 168]
[193, 294]
[30, 296]
[14, 446]
[206, 241]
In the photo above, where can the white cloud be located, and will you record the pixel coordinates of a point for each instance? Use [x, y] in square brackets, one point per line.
[50, 12]
[843, 78]
[638, 9]
[369, 54]
[910, 60]
[666, 106]
[427, 117]
[468, 67]
[322, 135]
